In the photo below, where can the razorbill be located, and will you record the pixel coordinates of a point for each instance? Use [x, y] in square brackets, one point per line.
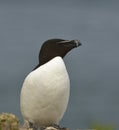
[45, 91]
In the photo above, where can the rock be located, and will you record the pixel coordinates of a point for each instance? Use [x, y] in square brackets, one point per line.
[47, 128]
[9, 121]
[50, 128]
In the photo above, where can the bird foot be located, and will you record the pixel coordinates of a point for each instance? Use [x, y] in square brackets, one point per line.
[50, 127]
[58, 127]
[55, 126]
[35, 127]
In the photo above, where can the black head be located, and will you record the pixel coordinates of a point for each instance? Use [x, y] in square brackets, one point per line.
[56, 47]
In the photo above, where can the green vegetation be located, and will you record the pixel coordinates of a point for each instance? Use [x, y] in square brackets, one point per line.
[102, 127]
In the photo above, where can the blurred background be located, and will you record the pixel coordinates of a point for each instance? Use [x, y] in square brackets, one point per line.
[93, 67]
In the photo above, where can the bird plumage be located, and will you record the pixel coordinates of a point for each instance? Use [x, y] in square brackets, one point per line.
[45, 93]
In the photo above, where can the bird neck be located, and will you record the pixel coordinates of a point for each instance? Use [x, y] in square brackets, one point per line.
[44, 60]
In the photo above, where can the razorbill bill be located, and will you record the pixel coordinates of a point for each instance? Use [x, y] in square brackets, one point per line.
[45, 91]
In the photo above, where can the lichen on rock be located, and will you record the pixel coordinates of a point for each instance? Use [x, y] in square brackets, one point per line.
[8, 121]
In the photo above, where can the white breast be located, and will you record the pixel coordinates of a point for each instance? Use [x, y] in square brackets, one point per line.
[45, 93]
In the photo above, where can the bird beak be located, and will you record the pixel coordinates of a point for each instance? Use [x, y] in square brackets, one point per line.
[73, 43]
[76, 43]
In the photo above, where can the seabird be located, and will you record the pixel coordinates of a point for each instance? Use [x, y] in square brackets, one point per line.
[45, 91]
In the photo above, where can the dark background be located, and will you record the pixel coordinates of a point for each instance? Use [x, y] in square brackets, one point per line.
[93, 68]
